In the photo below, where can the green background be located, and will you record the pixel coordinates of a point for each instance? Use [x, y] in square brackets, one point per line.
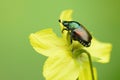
[19, 18]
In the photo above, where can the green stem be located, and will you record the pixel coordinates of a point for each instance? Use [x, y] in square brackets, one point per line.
[90, 62]
[91, 66]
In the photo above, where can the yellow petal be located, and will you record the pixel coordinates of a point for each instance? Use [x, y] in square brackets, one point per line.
[100, 50]
[66, 16]
[85, 73]
[46, 42]
[61, 68]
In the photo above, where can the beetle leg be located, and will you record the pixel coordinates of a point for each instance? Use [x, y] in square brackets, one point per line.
[71, 37]
[71, 40]
[64, 29]
[68, 37]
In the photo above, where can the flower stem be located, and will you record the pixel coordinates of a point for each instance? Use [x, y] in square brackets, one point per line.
[91, 66]
[90, 62]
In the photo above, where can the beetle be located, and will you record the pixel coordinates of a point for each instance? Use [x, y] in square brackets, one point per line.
[77, 32]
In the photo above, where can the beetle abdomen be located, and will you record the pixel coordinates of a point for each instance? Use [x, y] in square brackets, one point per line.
[83, 36]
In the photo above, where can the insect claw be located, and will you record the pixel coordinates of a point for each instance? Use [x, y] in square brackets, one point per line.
[62, 30]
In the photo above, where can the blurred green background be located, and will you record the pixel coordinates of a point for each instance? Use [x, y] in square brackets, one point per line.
[19, 18]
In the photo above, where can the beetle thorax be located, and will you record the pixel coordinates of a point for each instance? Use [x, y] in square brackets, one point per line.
[73, 26]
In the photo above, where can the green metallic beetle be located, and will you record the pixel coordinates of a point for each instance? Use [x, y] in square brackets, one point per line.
[77, 32]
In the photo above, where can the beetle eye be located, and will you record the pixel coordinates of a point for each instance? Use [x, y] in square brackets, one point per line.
[66, 24]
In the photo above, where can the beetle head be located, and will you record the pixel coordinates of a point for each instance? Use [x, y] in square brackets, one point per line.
[64, 23]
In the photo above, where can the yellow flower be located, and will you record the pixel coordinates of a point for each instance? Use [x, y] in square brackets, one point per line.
[62, 63]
